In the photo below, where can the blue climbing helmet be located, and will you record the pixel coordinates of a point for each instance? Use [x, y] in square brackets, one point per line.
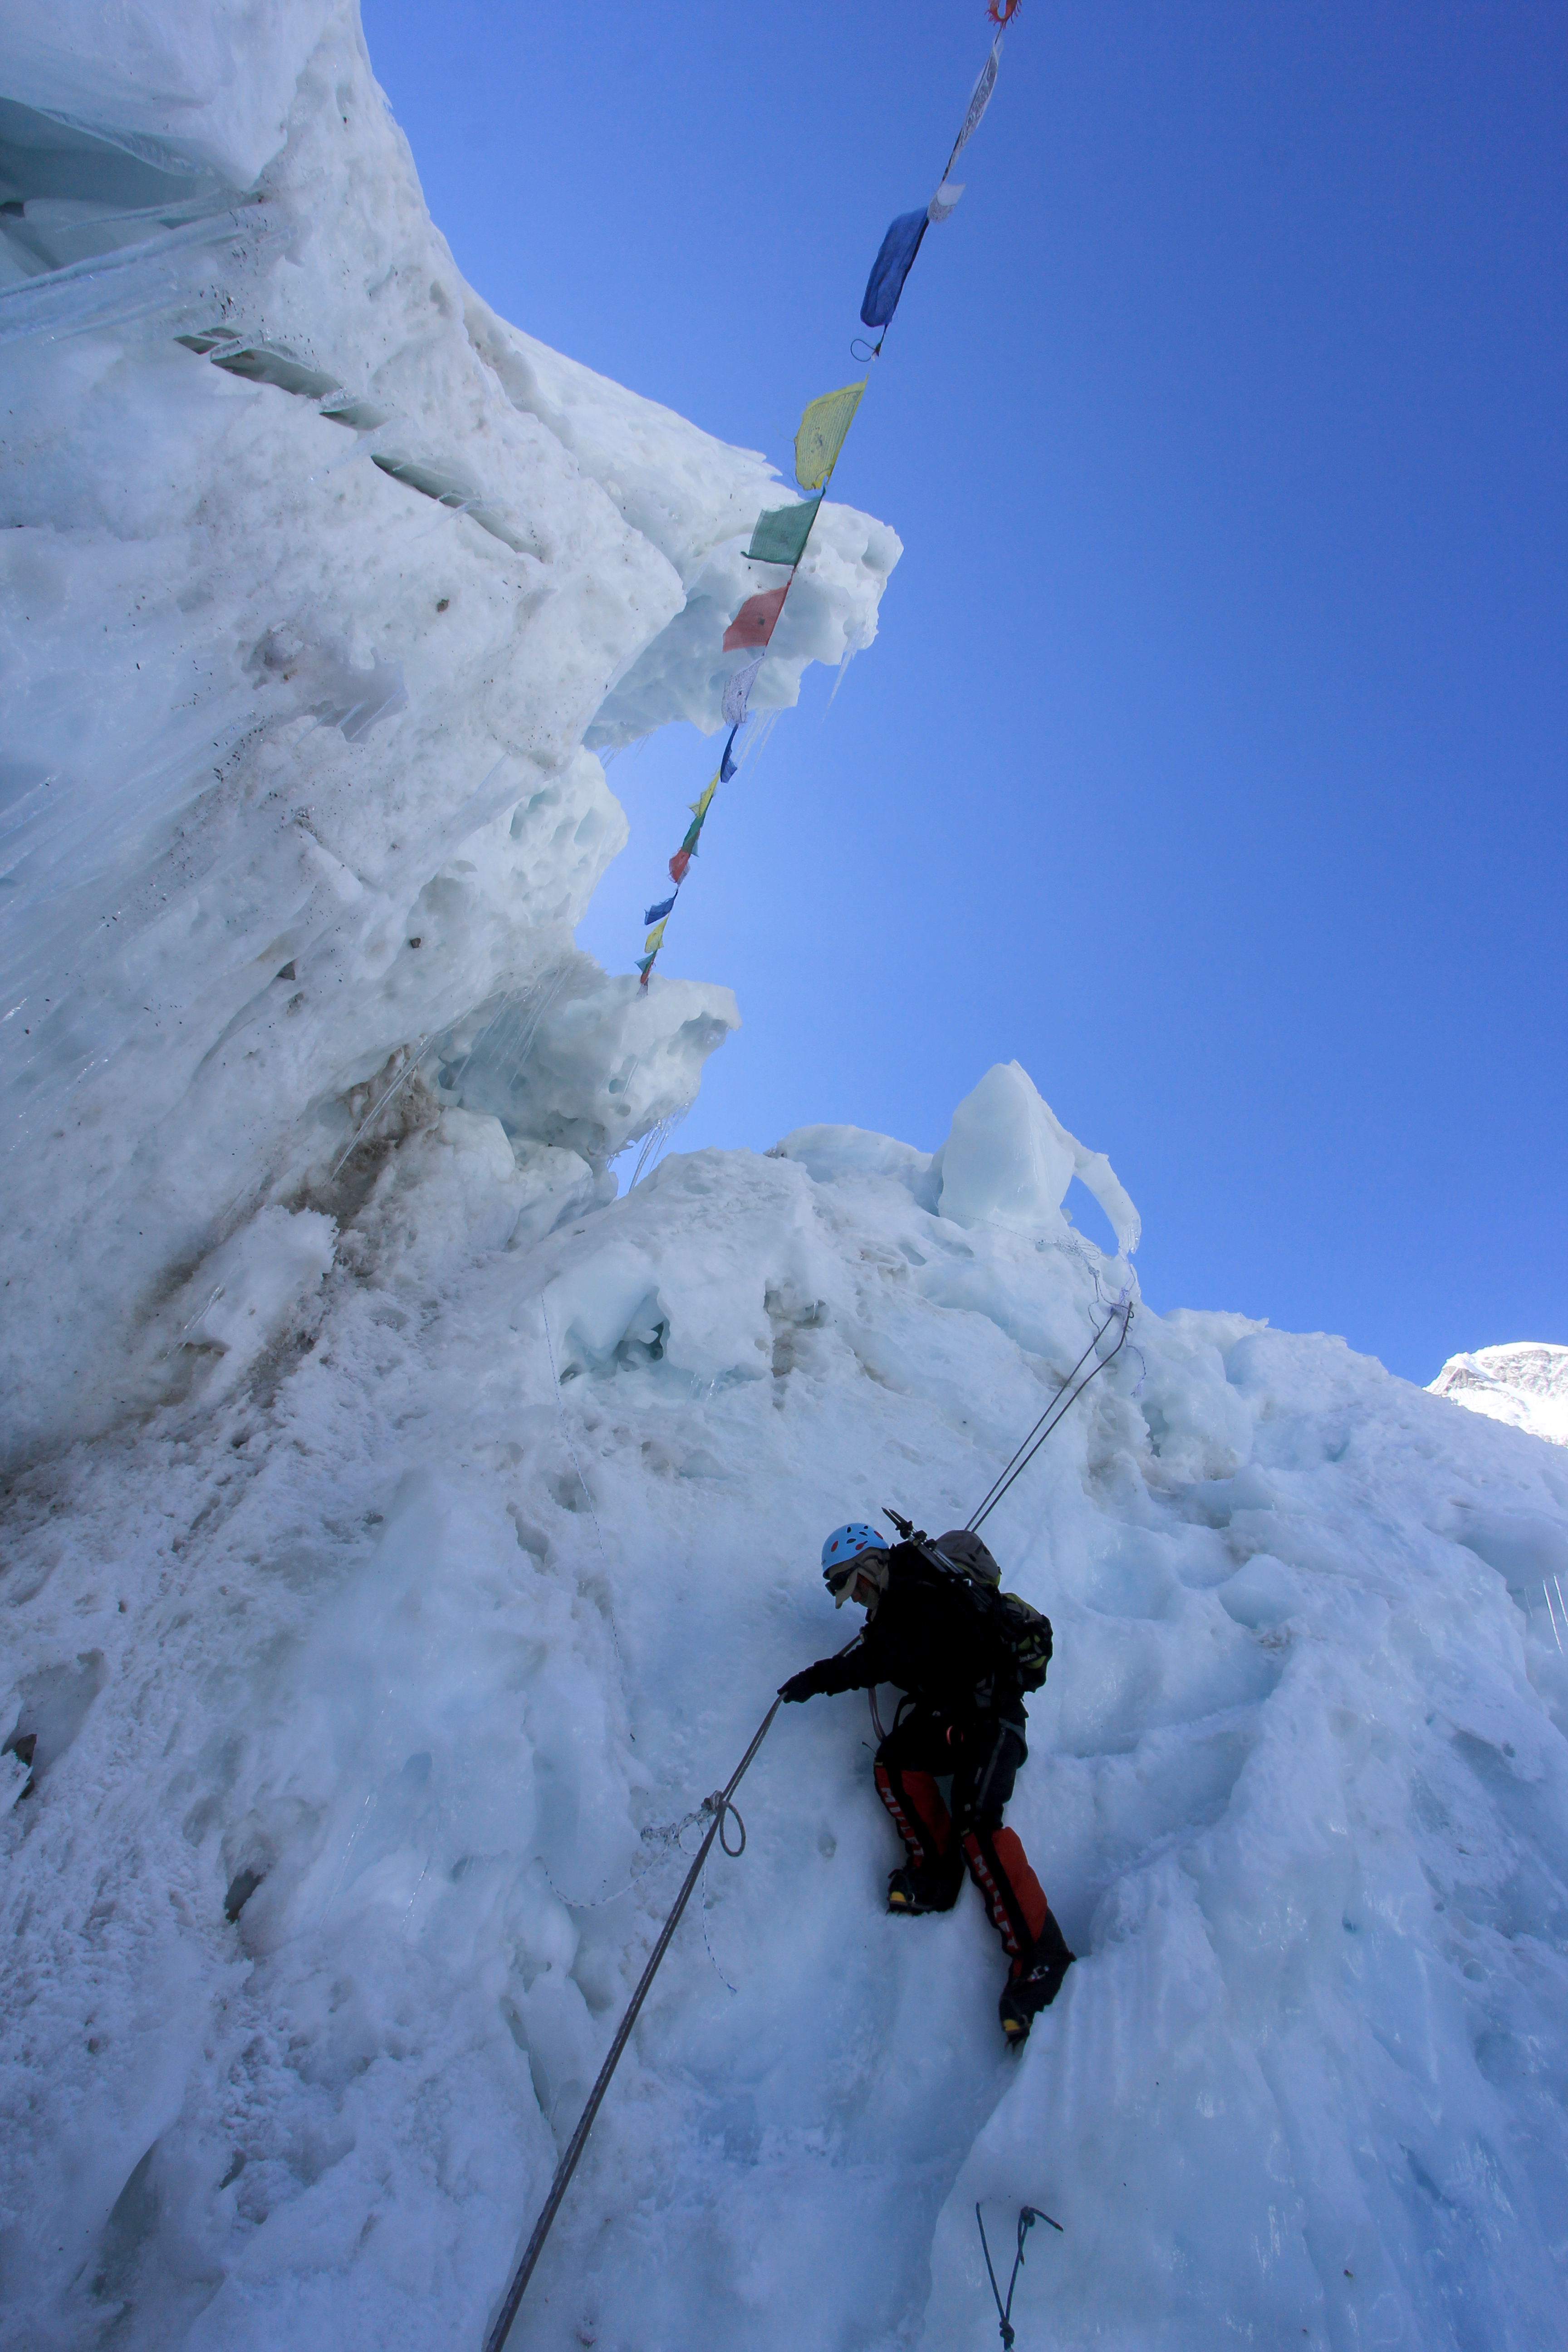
[843, 1548]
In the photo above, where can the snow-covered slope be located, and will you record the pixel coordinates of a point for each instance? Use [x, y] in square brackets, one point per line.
[315, 580]
[1523, 1382]
[447, 1522]
[422, 1642]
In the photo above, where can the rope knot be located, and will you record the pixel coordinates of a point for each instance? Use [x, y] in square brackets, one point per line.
[720, 1803]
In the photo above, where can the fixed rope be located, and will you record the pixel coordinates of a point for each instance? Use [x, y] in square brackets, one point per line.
[1027, 2216]
[718, 1807]
[1058, 1407]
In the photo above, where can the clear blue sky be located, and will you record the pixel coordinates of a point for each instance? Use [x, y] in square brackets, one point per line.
[1212, 757]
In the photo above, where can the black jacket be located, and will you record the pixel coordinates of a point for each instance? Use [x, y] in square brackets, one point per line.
[927, 1636]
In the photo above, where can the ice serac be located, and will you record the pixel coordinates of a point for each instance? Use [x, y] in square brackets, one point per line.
[1523, 1382]
[1009, 1161]
[321, 582]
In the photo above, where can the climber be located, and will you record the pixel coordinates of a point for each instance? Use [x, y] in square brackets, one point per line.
[940, 1629]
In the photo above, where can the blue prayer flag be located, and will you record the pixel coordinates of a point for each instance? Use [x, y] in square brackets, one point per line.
[657, 914]
[891, 267]
[727, 766]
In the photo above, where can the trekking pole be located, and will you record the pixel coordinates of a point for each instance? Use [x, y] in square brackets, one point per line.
[719, 1805]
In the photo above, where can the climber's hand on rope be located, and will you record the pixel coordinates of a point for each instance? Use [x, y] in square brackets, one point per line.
[808, 1683]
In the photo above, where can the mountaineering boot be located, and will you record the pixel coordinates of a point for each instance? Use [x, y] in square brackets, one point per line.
[913, 1891]
[1035, 1983]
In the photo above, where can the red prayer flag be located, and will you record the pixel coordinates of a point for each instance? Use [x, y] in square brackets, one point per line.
[755, 624]
[679, 863]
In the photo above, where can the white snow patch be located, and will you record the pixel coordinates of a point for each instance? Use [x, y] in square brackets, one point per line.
[244, 1293]
[826, 1152]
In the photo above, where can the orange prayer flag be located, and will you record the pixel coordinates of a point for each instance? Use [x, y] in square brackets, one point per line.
[755, 624]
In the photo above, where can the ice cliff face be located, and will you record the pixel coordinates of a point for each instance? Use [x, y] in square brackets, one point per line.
[450, 1522]
[317, 578]
[1523, 1382]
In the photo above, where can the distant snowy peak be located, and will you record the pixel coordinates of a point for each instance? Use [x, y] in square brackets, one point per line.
[1523, 1382]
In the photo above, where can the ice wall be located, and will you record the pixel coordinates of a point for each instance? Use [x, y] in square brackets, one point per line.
[317, 579]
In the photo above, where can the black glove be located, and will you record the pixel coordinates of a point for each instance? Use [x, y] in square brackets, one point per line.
[807, 1684]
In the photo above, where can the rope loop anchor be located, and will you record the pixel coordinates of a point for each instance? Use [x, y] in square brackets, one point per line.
[720, 1803]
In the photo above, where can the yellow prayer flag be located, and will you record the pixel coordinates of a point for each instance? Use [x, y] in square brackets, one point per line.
[821, 434]
[655, 939]
[699, 808]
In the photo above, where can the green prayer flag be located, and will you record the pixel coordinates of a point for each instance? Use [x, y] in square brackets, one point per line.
[780, 534]
[821, 434]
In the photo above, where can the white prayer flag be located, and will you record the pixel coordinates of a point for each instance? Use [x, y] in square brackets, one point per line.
[979, 100]
[740, 687]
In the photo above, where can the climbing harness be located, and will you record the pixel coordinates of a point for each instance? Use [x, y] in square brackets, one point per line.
[1065, 1397]
[1027, 2216]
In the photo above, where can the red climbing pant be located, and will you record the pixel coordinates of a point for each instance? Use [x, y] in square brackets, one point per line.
[983, 1758]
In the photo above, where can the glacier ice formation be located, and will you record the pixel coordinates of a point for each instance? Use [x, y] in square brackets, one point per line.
[362, 571]
[400, 1523]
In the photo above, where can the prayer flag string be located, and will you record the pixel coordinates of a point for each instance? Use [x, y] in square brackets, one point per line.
[780, 534]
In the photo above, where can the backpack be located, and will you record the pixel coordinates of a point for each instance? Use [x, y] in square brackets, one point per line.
[1022, 1631]
[1028, 1636]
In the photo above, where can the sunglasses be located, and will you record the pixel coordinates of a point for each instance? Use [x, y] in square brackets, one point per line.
[843, 1577]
